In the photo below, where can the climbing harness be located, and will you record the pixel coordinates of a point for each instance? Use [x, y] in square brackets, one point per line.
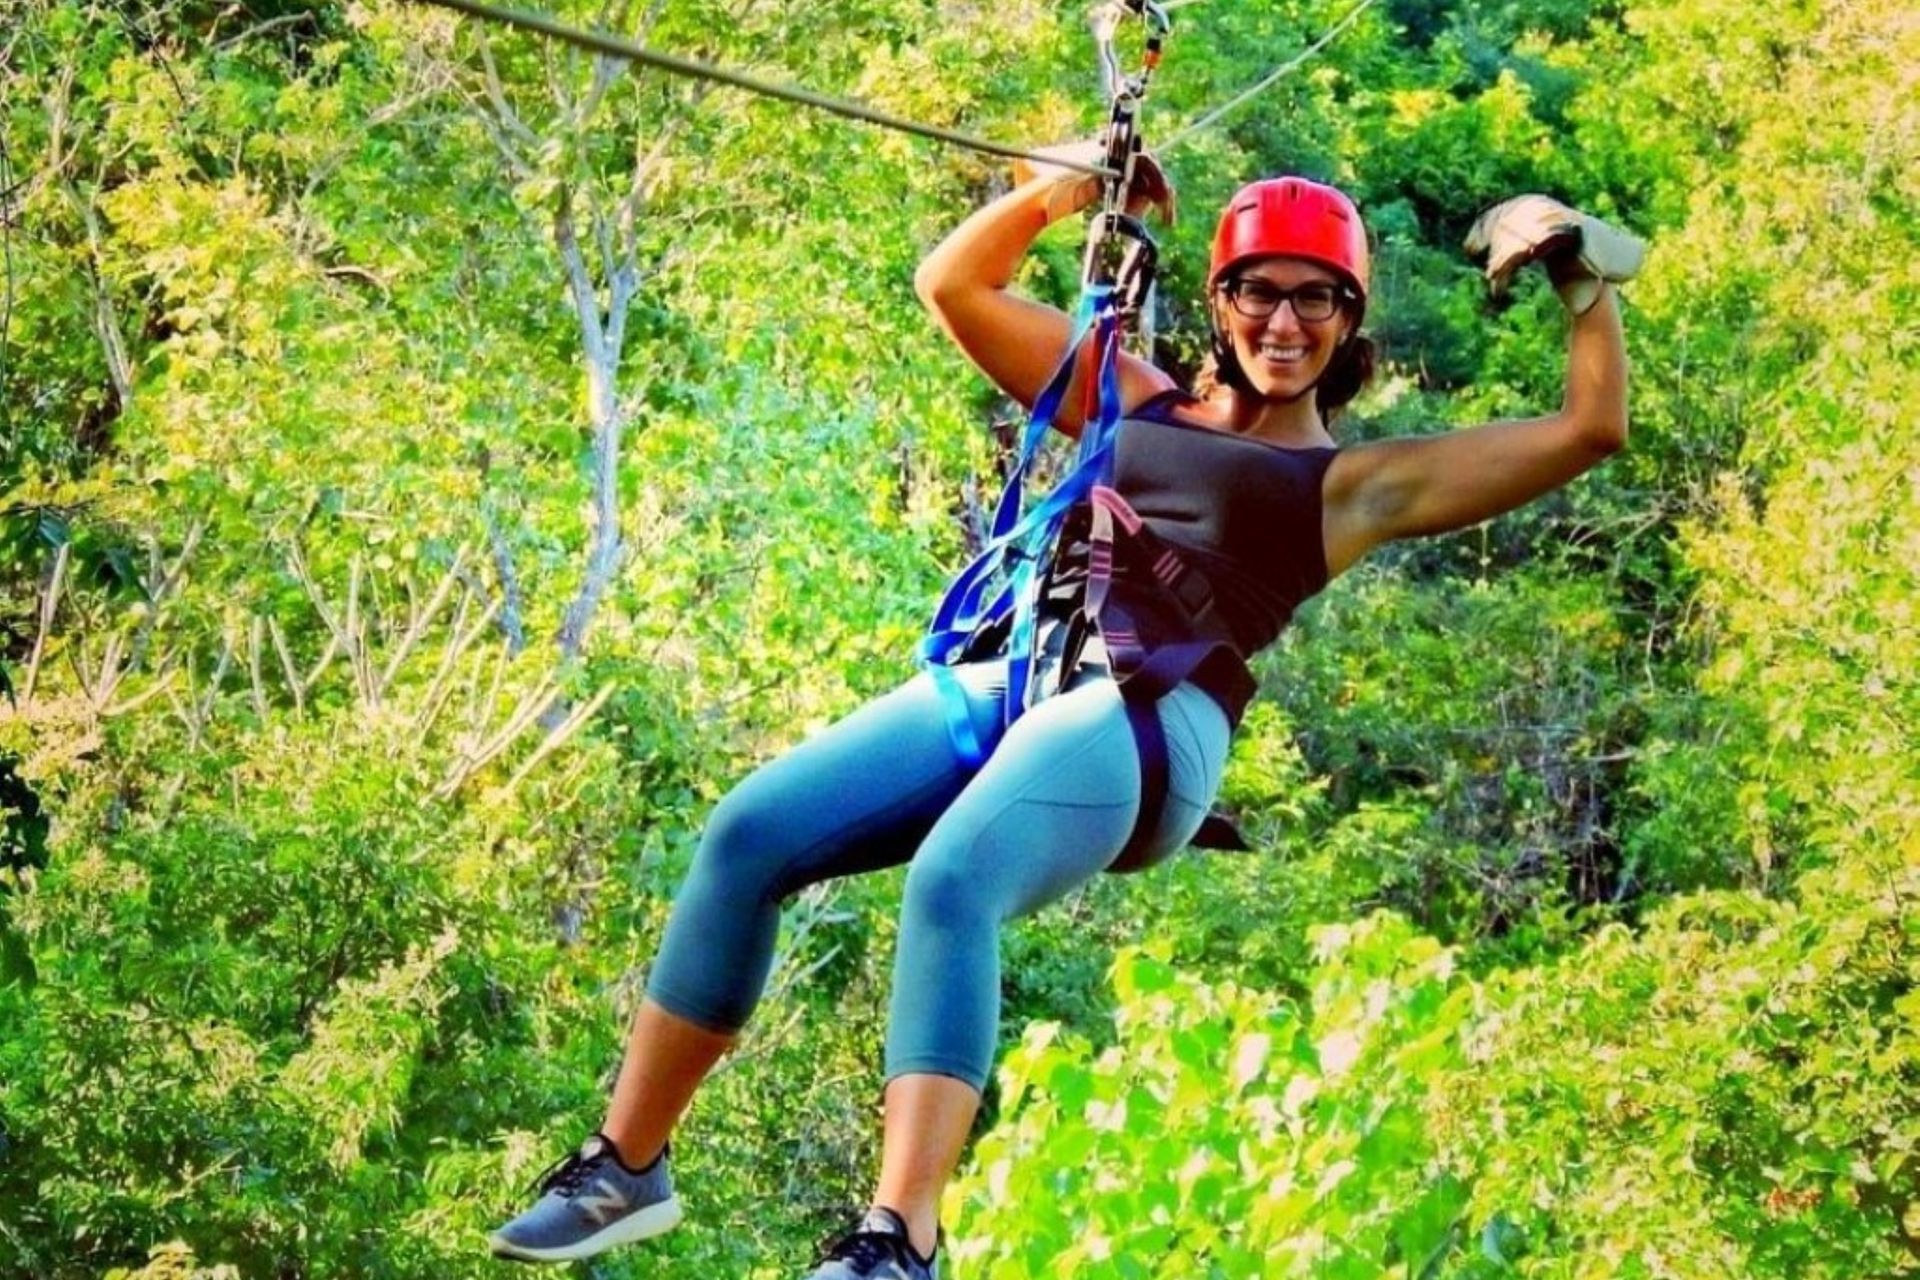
[1055, 563]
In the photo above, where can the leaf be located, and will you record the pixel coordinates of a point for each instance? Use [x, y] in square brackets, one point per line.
[1502, 1241]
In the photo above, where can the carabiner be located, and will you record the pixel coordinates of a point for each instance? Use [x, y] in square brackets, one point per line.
[1122, 253]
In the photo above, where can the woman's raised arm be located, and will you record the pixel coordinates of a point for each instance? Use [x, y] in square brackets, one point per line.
[1015, 341]
[1433, 484]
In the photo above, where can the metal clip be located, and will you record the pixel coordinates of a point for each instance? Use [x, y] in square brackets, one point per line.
[1121, 252]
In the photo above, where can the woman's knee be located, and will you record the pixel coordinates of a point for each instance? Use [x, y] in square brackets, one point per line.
[945, 891]
[745, 846]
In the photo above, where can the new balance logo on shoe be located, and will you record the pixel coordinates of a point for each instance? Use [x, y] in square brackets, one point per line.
[603, 1202]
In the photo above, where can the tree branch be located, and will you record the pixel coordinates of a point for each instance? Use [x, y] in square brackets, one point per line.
[510, 624]
[106, 323]
[417, 625]
[262, 28]
[586, 302]
[559, 736]
[497, 95]
[48, 602]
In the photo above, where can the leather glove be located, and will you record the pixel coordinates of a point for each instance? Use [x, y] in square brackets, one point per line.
[1580, 251]
[1150, 188]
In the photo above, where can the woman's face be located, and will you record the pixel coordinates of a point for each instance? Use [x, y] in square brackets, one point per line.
[1282, 353]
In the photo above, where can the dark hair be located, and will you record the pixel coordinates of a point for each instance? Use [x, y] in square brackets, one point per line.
[1346, 375]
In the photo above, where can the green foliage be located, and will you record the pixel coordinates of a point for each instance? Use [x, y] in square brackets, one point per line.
[1225, 1134]
[1756, 1119]
[320, 920]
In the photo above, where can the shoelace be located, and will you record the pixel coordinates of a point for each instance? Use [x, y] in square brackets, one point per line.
[569, 1173]
[869, 1249]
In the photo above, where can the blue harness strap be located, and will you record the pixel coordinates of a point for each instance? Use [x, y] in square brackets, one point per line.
[997, 594]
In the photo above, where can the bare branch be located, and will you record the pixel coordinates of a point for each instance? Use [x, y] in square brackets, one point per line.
[174, 575]
[298, 563]
[531, 708]
[485, 713]
[219, 675]
[357, 638]
[286, 665]
[106, 321]
[321, 663]
[441, 690]
[197, 710]
[606, 70]
[609, 268]
[640, 188]
[497, 96]
[347, 270]
[185, 710]
[652, 16]
[418, 625]
[559, 736]
[112, 670]
[262, 28]
[163, 685]
[586, 301]
[518, 165]
[510, 624]
[48, 602]
[256, 641]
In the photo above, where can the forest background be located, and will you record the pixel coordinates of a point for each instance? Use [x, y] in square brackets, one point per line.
[436, 464]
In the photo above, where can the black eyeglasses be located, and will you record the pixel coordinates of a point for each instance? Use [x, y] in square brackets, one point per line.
[1257, 299]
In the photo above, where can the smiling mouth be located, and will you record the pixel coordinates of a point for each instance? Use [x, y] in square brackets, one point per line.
[1274, 354]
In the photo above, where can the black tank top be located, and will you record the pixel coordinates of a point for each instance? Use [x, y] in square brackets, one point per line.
[1246, 513]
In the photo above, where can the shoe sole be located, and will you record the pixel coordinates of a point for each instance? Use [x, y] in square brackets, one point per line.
[642, 1225]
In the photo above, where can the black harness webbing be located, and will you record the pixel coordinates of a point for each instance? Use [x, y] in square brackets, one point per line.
[1151, 741]
[1217, 831]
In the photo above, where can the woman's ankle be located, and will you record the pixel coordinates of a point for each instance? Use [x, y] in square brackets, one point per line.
[923, 1229]
[633, 1156]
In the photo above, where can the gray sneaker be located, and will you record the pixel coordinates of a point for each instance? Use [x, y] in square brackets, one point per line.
[877, 1249]
[590, 1203]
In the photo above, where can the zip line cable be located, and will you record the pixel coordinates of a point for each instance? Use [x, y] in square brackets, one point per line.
[1265, 82]
[629, 51]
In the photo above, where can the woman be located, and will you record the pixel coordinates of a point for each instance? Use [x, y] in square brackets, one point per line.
[1247, 481]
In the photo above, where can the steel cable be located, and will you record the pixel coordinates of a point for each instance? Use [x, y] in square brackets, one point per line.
[627, 50]
[1266, 82]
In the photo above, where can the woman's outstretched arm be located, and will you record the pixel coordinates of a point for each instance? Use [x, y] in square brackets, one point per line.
[1432, 484]
[1015, 341]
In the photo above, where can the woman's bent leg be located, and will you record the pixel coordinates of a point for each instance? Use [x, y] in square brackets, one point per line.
[1052, 809]
[855, 797]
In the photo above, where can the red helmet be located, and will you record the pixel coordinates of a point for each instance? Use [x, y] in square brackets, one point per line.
[1295, 217]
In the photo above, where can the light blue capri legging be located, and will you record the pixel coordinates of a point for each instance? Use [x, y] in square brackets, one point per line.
[1051, 808]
